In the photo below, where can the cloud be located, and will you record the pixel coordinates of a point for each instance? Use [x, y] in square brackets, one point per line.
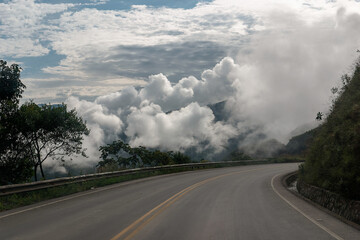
[120, 100]
[99, 45]
[214, 86]
[20, 47]
[188, 127]
[288, 74]
[59, 89]
[175, 60]
[151, 116]
[95, 114]
[273, 63]
[274, 85]
[104, 127]
[22, 24]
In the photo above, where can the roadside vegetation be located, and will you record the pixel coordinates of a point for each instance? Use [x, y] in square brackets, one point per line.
[31, 134]
[333, 161]
[119, 155]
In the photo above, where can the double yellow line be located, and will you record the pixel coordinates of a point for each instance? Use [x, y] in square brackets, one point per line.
[130, 231]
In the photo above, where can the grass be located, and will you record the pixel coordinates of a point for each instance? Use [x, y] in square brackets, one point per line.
[26, 198]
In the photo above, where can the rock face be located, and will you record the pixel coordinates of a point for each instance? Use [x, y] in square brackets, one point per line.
[349, 209]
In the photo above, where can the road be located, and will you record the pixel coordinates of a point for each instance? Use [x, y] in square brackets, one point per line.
[246, 202]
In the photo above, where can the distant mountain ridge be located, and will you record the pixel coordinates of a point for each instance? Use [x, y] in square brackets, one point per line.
[264, 147]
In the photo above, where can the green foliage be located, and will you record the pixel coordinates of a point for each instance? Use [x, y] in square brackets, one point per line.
[11, 86]
[333, 161]
[31, 134]
[15, 166]
[180, 158]
[50, 132]
[158, 158]
[15, 170]
[121, 154]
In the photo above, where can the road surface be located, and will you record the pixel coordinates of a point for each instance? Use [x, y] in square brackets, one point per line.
[246, 202]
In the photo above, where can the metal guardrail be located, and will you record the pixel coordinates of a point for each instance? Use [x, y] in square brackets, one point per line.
[27, 187]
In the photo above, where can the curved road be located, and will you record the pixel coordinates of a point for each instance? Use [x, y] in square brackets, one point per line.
[246, 202]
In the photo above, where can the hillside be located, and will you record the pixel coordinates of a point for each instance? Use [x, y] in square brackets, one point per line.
[333, 161]
[298, 145]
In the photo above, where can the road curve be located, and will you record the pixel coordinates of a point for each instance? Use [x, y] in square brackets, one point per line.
[246, 202]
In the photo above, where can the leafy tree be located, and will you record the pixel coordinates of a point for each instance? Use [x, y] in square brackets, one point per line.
[15, 170]
[11, 89]
[30, 134]
[180, 158]
[15, 166]
[11, 86]
[124, 156]
[161, 158]
[50, 132]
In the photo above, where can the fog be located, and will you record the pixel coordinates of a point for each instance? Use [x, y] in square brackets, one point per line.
[273, 86]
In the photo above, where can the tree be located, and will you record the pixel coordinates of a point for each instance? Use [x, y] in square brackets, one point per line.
[161, 158]
[180, 158]
[124, 156]
[50, 132]
[30, 134]
[11, 89]
[11, 86]
[15, 166]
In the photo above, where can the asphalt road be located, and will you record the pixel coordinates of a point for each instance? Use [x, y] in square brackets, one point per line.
[245, 202]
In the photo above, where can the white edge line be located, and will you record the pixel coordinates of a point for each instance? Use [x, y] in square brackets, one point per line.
[334, 235]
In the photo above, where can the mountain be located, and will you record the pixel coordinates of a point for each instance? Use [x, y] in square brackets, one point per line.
[333, 161]
[261, 146]
[219, 111]
[299, 145]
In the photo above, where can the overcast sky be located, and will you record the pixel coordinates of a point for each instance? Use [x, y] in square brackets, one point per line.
[92, 48]
[125, 64]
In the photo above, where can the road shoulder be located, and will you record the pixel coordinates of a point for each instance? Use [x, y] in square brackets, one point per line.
[336, 228]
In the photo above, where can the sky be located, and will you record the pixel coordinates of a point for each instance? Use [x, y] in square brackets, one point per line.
[146, 70]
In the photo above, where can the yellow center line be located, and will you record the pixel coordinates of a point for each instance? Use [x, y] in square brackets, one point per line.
[141, 222]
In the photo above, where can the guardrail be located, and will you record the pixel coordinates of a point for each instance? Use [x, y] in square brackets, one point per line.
[26, 187]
